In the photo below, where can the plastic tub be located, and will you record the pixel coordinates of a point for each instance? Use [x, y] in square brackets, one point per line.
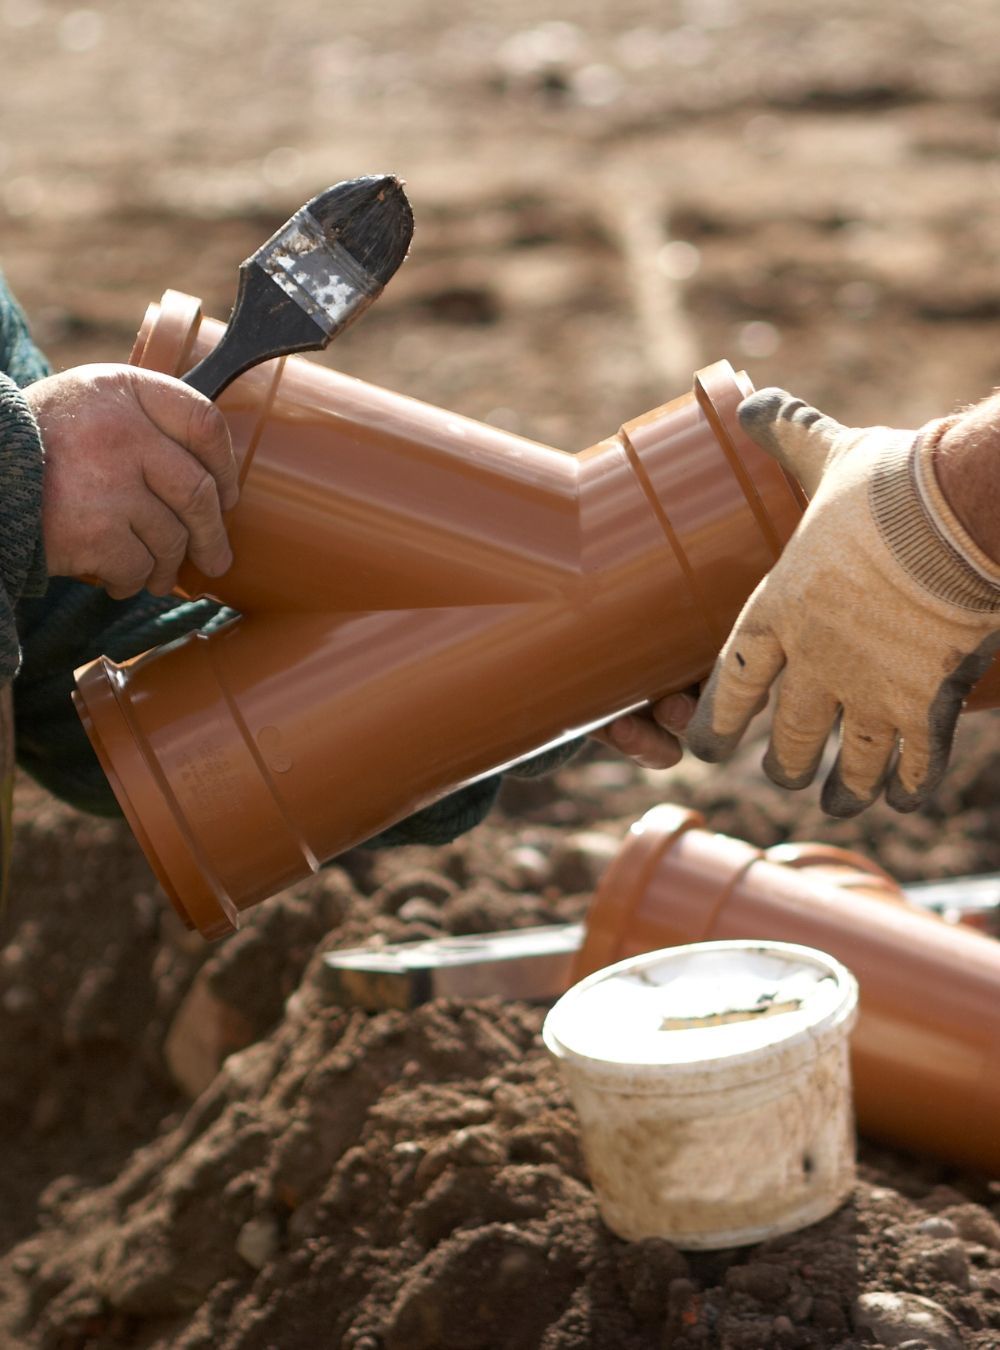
[713, 1089]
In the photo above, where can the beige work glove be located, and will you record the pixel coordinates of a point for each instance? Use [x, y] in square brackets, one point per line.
[881, 611]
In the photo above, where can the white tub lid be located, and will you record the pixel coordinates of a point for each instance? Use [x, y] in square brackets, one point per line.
[693, 1006]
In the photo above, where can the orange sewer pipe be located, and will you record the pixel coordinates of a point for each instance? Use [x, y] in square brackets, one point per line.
[424, 599]
[925, 1053]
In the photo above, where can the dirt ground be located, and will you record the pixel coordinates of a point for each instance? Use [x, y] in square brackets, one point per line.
[606, 198]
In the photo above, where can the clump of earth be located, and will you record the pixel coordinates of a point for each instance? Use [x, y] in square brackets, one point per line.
[407, 1179]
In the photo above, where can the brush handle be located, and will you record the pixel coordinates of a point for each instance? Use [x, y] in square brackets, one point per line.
[265, 323]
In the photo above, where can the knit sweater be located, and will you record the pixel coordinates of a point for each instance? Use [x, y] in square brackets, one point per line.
[69, 623]
[22, 559]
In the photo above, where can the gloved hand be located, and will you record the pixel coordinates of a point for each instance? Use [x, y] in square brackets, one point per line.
[882, 611]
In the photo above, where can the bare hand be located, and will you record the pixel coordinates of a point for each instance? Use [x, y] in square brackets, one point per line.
[650, 736]
[138, 470]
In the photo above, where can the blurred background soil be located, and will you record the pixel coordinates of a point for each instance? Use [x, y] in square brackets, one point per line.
[606, 197]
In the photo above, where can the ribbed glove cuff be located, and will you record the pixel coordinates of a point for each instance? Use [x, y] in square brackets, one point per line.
[922, 531]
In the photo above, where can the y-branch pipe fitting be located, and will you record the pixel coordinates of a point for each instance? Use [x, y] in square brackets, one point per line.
[925, 1054]
[423, 599]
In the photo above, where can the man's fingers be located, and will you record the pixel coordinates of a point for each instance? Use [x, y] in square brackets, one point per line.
[192, 421]
[166, 537]
[125, 573]
[639, 737]
[182, 485]
[674, 712]
[738, 688]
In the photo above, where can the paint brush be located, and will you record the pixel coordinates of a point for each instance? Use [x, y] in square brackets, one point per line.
[312, 278]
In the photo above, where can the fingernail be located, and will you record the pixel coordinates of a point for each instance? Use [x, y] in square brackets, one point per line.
[220, 569]
[621, 732]
[674, 712]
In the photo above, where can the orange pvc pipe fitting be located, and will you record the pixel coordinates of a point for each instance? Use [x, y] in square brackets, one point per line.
[423, 599]
[926, 1049]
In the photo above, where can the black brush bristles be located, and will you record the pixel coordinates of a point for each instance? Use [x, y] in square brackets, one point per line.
[312, 278]
[370, 218]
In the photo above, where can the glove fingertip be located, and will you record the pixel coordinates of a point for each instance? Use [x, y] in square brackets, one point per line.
[903, 801]
[838, 800]
[778, 775]
[701, 738]
[708, 746]
[759, 412]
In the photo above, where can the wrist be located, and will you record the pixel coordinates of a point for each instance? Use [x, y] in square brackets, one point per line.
[921, 531]
[966, 464]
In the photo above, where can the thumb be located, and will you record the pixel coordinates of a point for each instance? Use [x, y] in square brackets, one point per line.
[801, 438]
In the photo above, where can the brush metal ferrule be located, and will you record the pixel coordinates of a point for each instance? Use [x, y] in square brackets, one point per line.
[320, 275]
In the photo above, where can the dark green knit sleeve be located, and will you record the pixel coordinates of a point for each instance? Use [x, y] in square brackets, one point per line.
[443, 821]
[19, 357]
[22, 560]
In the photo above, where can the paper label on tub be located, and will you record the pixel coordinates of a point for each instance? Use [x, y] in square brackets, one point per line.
[689, 1002]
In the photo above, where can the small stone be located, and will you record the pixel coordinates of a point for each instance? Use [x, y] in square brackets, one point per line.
[429, 886]
[204, 1031]
[945, 1261]
[800, 1307]
[257, 1241]
[990, 1281]
[683, 1304]
[828, 1314]
[14, 957]
[470, 1146]
[529, 868]
[146, 910]
[975, 1224]
[943, 1197]
[880, 1195]
[762, 1281]
[420, 910]
[893, 1319]
[18, 1000]
[579, 861]
[937, 1226]
[645, 1271]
